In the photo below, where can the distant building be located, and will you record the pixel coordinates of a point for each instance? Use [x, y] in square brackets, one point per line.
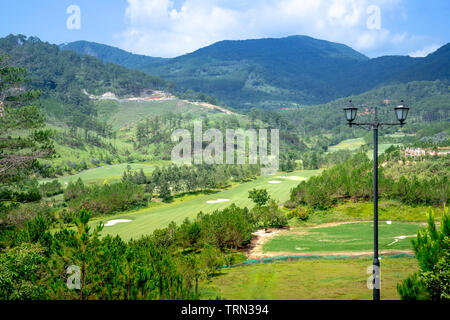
[418, 152]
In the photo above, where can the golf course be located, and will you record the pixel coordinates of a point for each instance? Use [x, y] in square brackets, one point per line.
[159, 215]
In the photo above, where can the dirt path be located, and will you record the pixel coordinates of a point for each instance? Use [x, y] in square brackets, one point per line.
[257, 255]
[260, 237]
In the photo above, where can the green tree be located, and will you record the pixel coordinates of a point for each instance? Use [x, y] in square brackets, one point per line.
[432, 250]
[259, 196]
[19, 113]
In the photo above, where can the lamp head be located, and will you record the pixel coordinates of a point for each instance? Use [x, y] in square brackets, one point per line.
[401, 112]
[350, 112]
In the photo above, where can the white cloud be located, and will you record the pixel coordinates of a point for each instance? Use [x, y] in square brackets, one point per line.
[159, 28]
[425, 51]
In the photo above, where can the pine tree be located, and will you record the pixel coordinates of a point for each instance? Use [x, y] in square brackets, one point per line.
[18, 154]
[432, 250]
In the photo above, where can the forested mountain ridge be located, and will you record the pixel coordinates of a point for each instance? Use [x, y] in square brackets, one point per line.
[110, 54]
[63, 77]
[291, 71]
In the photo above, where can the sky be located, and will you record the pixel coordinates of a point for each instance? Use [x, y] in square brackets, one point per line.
[169, 28]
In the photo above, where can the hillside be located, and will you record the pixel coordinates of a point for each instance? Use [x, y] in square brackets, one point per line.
[73, 86]
[110, 54]
[291, 71]
[63, 76]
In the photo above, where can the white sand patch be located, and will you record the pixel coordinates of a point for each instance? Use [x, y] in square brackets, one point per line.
[113, 222]
[397, 239]
[295, 178]
[274, 181]
[217, 201]
[388, 222]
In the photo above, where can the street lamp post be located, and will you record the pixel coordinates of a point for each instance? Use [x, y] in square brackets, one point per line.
[350, 113]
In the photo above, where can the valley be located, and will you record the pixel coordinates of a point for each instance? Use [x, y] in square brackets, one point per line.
[87, 176]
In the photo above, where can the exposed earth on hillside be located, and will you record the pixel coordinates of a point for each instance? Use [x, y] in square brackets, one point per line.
[154, 96]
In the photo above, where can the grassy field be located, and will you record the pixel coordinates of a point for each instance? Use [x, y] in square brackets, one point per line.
[356, 236]
[109, 173]
[355, 144]
[308, 279]
[349, 144]
[159, 215]
[363, 211]
[124, 114]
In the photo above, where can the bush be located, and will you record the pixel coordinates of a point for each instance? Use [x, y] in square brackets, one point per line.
[107, 198]
[270, 216]
[432, 250]
[290, 204]
[74, 190]
[66, 216]
[52, 188]
[302, 213]
[230, 228]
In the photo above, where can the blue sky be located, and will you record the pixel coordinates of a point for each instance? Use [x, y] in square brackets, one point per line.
[170, 28]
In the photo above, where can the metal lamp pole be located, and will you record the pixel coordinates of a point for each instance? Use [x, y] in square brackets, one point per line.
[350, 113]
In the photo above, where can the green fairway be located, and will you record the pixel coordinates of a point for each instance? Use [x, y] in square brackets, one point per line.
[308, 279]
[123, 114]
[382, 147]
[363, 211]
[355, 144]
[349, 144]
[145, 221]
[356, 236]
[109, 173]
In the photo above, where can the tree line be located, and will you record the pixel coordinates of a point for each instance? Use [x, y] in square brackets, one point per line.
[353, 179]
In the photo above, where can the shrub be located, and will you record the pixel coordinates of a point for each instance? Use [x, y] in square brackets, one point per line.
[108, 198]
[432, 250]
[270, 216]
[302, 213]
[66, 216]
[52, 188]
[290, 204]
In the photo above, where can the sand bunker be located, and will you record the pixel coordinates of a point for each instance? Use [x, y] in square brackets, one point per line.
[274, 181]
[217, 201]
[113, 222]
[295, 178]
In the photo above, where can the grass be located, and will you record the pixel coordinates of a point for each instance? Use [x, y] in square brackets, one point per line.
[349, 144]
[355, 144]
[124, 114]
[308, 280]
[382, 147]
[159, 215]
[363, 211]
[109, 172]
[355, 237]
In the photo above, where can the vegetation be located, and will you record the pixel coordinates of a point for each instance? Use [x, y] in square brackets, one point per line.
[305, 279]
[173, 227]
[353, 180]
[19, 113]
[291, 72]
[432, 250]
[159, 215]
[347, 237]
[35, 266]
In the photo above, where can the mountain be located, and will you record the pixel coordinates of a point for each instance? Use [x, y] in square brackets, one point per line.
[110, 54]
[296, 70]
[435, 66]
[64, 77]
[265, 72]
